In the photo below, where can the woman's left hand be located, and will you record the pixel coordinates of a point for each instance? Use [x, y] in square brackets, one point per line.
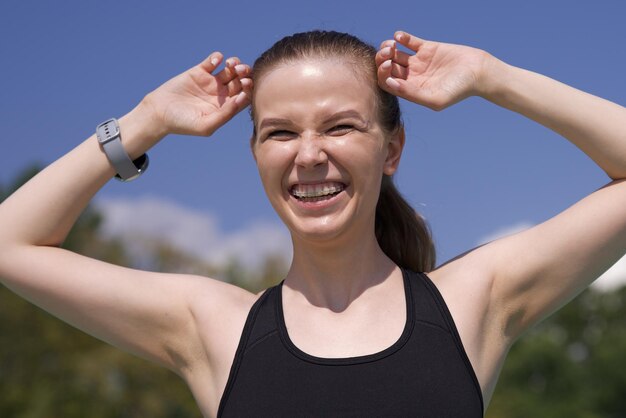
[435, 75]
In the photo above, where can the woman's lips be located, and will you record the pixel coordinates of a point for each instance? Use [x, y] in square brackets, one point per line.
[317, 191]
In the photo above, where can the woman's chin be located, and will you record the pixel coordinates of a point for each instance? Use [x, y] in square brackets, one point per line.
[319, 219]
[316, 230]
[324, 220]
[332, 229]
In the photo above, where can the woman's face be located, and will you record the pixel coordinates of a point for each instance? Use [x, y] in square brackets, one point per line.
[320, 149]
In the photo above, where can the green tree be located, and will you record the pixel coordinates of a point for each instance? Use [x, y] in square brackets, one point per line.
[571, 365]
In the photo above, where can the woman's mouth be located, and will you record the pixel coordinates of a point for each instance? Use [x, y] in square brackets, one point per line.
[311, 193]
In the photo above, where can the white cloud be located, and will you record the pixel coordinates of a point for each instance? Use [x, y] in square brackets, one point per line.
[613, 278]
[504, 231]
[193, 231]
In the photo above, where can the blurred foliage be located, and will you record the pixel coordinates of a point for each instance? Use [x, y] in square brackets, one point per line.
[572, 365]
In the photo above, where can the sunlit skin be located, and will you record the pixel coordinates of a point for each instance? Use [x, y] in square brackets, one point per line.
[317, 122]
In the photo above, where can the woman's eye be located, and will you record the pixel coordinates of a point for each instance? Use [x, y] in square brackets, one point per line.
[280, 135]
[341, 130]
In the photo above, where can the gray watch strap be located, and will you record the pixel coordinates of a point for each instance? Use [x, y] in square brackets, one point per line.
[108, 133]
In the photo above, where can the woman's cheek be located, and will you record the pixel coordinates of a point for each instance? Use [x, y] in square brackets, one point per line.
[272, 163]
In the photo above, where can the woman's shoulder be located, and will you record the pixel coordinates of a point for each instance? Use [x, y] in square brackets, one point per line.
[469, 269]
[211, 297]
[219, 310]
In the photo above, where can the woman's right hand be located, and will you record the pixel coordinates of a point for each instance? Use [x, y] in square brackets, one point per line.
[198, 102]
[432, 74]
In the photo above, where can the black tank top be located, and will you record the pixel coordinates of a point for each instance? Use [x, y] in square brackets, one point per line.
[425, 373]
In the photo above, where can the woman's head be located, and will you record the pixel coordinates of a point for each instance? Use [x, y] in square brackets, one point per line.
[327, 140]
[332, 46]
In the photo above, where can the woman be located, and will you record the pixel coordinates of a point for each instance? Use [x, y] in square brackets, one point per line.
[356, 328]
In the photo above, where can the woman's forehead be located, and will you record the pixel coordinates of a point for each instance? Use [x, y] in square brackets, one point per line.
[319, 85]
[313, 67]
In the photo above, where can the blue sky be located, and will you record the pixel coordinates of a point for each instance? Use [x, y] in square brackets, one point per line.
[472, 170]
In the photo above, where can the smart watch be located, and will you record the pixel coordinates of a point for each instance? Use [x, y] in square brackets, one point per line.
[110, 139]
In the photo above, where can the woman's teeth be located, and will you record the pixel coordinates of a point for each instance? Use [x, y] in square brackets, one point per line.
[312, 191]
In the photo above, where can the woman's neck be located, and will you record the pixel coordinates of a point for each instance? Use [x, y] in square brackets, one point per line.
[334, 275]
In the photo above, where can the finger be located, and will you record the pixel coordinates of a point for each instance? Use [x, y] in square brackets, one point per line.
[402, 58]
[242, 70]
[408, 40]
[385, 53]
[388, 42]
[211, 62]
[242, 100]
[226, 75]
[402, 88]
[384, 72]
[230, 108]
[232, 62]
[239, 84]
[390, 69]
[394, 85]
[399, 57]
[228, 72]
[246, 85]
[399, 71]
[234, 87]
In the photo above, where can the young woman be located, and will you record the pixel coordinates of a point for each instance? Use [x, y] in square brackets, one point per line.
[364, 324]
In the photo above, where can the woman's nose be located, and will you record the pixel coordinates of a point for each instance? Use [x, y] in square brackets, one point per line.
[310, 151]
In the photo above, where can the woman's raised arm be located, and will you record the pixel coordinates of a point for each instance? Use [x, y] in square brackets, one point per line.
[145, 313]
[534, 272]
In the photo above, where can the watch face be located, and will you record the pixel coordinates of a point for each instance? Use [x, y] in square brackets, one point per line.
[141, 164]
[107, 131]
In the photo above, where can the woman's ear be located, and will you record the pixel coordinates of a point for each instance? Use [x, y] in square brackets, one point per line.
[394, 151]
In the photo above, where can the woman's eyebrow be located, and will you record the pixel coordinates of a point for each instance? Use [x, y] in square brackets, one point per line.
[269, 122]
[344, 115]
[274, 122]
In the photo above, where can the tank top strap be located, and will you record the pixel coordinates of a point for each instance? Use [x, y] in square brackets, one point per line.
[260, 323]
[427, 307]
[432, 308]
[262, 317]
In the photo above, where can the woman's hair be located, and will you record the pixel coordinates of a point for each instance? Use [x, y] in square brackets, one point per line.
[401, 232]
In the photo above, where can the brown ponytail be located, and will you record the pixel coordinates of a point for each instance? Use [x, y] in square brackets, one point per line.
[401, 232]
